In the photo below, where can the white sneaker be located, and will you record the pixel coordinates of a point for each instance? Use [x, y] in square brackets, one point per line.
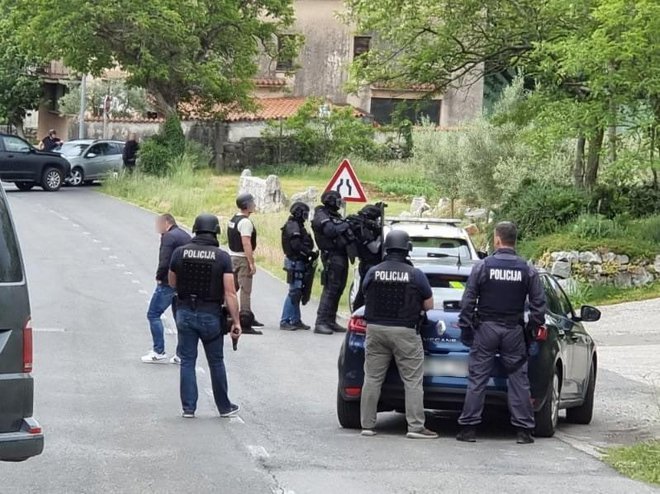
[153, 357]
[175, 360]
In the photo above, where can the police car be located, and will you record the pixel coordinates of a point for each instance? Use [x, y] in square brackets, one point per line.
[431, 238]
[562, 365]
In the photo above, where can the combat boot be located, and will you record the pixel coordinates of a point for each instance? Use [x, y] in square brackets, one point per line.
[524, 436]
[467, 434]
[337, 328]
[322, 328]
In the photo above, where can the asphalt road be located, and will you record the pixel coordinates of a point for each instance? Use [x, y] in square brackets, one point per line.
[113, 424]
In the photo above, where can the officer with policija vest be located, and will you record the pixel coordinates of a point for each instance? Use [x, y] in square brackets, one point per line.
[203, 277]
[242, 241]
[491, 322]
[333, 236]
[368, 229]
[397, 294]
[298, 248]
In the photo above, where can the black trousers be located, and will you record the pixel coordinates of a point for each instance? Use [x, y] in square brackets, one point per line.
[363, 268]
[334, 276]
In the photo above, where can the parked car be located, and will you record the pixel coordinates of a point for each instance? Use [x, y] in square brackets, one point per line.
[92, 159]
[431, 238]
[562, 369]
[21, 436]
[26, 166]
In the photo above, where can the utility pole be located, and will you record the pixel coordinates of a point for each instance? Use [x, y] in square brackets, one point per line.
[83, 101]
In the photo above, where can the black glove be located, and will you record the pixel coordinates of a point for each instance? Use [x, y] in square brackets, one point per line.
[313, 256]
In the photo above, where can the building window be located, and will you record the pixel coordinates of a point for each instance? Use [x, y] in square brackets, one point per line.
[383, 109]
[284, 56]
[361, 45]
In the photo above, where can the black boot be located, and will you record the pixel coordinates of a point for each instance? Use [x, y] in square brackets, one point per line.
[337, 328]
[322, 328]
[255, 323]
[524, 436]
[247, 320]
[467, 434]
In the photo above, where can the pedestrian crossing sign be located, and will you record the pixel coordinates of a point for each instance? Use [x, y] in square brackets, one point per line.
[347, 184]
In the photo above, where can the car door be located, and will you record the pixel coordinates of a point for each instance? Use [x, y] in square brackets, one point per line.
[579, 342]
[17, 159]
[95, 159]
[115, 161]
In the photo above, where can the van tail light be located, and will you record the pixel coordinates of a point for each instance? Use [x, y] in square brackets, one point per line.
[357, 325]
[27, 347]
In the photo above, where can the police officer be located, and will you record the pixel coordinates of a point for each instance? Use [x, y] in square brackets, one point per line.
[497, 288]
[203, 277]
[332, 234]
[298, 248]
[242, 240]
[396, 296]
[368, 232]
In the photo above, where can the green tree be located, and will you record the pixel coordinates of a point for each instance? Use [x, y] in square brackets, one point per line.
[201, 51]
[20, 86]
[126, 100]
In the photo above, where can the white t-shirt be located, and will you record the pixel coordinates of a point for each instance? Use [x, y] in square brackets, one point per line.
[245, 228]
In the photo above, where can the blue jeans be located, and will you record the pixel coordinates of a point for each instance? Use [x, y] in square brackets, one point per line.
[160, 301]
[291, 310]
[194, 326]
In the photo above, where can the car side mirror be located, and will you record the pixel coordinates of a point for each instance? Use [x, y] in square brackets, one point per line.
[589, 313]
[90, 155]
[482, 254]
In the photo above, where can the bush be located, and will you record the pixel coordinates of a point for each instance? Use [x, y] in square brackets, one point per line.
[647, 229]
[595, 226]
[636, 201]
[171, 135]
[155, 157]
[539, 209]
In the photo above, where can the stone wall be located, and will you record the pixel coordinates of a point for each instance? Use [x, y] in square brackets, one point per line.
[602, 268]
[268, 195]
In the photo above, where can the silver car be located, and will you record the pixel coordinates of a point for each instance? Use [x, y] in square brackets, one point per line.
[92, 159]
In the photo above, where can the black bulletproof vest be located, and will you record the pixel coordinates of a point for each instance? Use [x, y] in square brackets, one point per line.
[234, 236]
[392, 298]
[291, 230]
[503, 293]
[200, 275]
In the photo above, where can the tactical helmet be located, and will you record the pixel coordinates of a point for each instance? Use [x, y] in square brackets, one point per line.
[331, 199]
[398, 240]
[206, 223]
[299, 210]
[244, 200]
[370, 211]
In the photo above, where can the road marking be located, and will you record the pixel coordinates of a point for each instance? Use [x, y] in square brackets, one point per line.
[105, 248]
[48, 330]
[86, 233]
[579, 445]
[114, 257]
[135, 282]
[128, 273]
[75, 225]
[236, 420]
[119, 265]
[96, 241]
[258, 452]
[143, 292]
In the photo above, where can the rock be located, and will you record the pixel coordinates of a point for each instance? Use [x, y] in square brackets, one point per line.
[574, 256]
[562, 269]
[443, 209]
[419, 206]
[622, 259]
[472, 229]
[598, 268]
[609, 257]
[559, 256]
[309, 197]
[570, 285]
[267, 193]
[641, 277]
[476, 214]
[589, 258]
[623, 280]
[656, 265]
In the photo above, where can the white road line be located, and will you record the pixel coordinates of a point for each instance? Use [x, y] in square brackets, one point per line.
[96, 241]
[143, 292]
[120, 265]
[86, 233]
[236, 420]
[114, 257]
[75, 225]
[128, 273]
[48, 330]
[135, 282]
[258, 452]
[106, 249]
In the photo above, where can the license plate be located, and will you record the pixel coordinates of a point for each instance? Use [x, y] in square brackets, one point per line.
[446, 367]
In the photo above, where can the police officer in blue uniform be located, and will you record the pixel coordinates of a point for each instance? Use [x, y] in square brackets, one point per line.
[298, 247]
[203, 277]
[491, 322]
[396, 296]
[333, 235]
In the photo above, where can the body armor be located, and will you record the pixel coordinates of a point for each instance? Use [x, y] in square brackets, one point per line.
[503, 293]
[199, 281]
[291, 230]
[234, 236]
[392, 298]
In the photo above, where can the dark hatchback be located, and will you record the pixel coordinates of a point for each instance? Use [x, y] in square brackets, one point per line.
[562, 367]
[21, 436]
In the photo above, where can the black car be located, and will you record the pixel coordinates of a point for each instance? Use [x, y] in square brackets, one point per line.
[562, 365]
[21, 436]
[26, 166]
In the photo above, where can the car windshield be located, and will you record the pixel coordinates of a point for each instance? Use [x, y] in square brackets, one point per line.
[73, 149]
[440, 247]
[447, 288]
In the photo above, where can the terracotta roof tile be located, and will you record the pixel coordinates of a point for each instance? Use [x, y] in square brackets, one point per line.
[401, 87]
[270, 82]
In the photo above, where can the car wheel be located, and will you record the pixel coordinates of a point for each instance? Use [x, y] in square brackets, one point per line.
[548, 416]
[89, 182]
[24, 185]
[348, 413]
[77, 177]
[585, 412]
[52, 179]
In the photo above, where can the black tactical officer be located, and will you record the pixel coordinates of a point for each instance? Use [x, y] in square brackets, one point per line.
[333, 235]
[396, 296]
[368, 229]
[491, 322]
[202, 274]
[299, 264]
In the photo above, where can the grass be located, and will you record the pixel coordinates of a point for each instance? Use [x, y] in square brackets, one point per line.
[185, 194]
[609, 295]
[639, 462]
